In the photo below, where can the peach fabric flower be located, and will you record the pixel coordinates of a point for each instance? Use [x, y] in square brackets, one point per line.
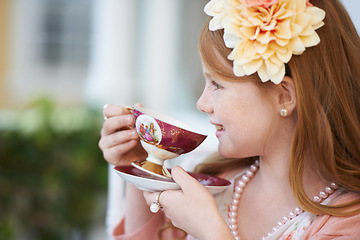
[263, 39]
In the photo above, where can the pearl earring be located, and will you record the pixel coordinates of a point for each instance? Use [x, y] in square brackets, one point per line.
[284, 112]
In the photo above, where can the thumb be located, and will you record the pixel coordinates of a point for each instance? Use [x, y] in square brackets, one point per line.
[183, 179]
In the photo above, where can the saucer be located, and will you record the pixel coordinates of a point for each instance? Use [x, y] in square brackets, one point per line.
[148, 182]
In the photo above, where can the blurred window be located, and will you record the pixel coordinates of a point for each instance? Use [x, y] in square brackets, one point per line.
[65, 29]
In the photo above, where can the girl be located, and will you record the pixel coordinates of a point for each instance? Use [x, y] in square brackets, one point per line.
[283, 92]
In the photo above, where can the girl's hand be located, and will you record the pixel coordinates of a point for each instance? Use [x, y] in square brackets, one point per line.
[192, 208]
[119, 140]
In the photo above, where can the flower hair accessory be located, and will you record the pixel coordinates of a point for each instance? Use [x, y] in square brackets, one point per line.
[264, 34]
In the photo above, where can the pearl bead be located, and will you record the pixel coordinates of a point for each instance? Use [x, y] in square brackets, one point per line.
[233, 227]
[298, 211]
[244, 178]
[238, 189]
[329, 190]
[334, 186]
[236, 195]
[285, 220]
[232, 221]
[235, 232]
[323, 194]
[233, 208]
[232, 214]
[316, 199]
[241, 184]
[154, 208]
[249, 173]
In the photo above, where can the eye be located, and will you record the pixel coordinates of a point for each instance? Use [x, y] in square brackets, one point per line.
[216, 85]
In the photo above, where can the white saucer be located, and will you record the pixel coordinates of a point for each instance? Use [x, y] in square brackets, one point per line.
[147, 182]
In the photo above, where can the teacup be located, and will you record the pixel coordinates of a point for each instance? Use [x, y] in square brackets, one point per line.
[163, 138]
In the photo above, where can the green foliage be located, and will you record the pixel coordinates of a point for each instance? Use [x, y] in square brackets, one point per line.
[52, 172]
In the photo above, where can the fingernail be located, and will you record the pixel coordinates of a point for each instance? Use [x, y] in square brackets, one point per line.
[105, 106]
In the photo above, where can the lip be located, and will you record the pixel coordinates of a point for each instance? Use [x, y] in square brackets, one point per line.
[219, 129]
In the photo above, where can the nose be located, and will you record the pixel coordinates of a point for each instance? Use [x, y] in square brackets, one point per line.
[203, 104]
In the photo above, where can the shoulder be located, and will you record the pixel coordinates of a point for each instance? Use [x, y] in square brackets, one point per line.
[333, 227]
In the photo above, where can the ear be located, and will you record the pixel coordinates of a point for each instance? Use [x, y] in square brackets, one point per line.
[286, 95]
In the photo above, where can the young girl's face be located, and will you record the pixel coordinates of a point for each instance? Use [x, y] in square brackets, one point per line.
[241, 114]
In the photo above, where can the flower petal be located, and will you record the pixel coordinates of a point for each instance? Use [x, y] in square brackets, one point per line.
[268, 53]
[317, 15]
[260, 48]
[266, 37]
[238, 70]
[273, 65]
[285, 57]
[309, 30]
[310, 41]
[296, 44]
[249, 50]
[283, 30]
[231, 40]
[278, 76]
[262, 73]
[252, 66]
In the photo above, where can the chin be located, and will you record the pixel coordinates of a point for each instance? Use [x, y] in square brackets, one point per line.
[231, 152]
[226, 152]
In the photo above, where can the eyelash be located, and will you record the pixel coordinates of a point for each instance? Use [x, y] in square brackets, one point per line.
[216, 85]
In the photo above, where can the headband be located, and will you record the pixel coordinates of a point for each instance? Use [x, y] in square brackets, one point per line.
[264, 34]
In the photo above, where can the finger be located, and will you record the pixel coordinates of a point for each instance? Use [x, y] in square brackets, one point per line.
[111, 110]
[117, 123]
[113, 154]
[117, 138]
[150, 197]
[183, 179]
[155, 205]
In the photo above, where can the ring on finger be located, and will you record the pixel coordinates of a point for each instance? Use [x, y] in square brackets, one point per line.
[155, 206]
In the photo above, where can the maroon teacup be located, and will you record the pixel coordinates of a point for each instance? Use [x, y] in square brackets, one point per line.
[163, 138]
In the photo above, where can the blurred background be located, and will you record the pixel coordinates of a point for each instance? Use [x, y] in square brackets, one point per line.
[60, 62]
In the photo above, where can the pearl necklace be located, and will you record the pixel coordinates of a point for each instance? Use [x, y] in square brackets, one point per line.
[239, 188]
